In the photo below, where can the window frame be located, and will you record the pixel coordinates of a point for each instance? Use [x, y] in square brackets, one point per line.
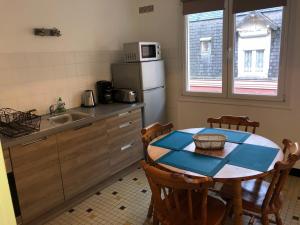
[224, 60]
[228, 57]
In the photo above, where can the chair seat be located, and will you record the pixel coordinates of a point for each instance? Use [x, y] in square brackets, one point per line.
[215, 212]
[253, 194]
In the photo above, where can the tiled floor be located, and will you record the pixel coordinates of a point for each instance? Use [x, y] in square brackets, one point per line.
[126, 201]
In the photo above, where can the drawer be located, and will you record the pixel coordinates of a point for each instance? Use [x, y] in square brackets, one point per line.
[123, 138]
[80, 134]
[125, 155]
[125, 150]
[123, 118]
[7, 160]
[125, 127]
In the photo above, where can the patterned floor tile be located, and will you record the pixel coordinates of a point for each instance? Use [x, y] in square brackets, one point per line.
[126, 202]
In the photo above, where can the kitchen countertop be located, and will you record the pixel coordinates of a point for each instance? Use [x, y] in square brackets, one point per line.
[47, 128]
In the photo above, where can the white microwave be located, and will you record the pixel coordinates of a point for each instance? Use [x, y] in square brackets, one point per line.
[141, 51]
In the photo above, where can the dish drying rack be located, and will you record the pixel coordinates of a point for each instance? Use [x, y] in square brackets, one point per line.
[14, 123]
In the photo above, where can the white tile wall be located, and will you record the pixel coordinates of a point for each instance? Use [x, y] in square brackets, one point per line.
[36, 80]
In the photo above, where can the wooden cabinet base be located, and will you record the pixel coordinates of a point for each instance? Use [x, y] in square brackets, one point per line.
[38, 178]
[53, 171]
[82, 196]
[83, 157]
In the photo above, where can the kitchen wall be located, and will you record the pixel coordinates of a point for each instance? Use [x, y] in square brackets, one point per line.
[277, 121]
[35, 70]
[163, 25]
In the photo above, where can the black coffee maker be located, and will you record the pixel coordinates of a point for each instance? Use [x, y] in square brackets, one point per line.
[104, 91]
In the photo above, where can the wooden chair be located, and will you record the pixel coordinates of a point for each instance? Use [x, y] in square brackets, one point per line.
[148, 134]
[234, 122]
[261, 198]
[153, 131]
[179, 199]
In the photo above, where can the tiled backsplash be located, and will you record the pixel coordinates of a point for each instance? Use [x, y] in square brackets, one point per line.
[36, 80]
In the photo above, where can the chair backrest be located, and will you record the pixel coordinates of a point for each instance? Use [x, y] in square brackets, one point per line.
[170, 189]
[234, 122]
[153, 131]
[281, 173]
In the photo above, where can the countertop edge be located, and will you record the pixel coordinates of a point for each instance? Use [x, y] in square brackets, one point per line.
[95, 116]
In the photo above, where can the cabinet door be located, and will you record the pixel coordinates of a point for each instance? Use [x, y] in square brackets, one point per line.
[84, 157]
[125, 147]
[38, 178]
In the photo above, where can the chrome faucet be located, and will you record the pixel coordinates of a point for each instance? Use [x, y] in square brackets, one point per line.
[52, 109]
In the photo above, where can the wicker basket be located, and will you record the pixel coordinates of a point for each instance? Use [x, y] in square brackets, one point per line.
[209, 141]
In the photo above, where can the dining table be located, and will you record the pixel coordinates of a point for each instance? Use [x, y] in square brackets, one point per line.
[245, 156]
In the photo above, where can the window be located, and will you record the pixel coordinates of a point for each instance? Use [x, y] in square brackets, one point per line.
[205, 73]
[205, 46]
[250, 56]
[248, 61]
[259, 61]
[254, 33]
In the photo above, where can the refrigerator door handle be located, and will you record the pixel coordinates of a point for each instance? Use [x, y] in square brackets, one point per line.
[151, 89]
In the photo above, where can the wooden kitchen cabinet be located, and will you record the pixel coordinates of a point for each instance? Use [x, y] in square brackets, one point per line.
[52, 170]
[84, 157]
[125, 146]
[37, 174]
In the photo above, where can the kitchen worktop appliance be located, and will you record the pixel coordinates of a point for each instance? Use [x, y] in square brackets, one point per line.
[141, 51]
[88, 99]
[104, 92]
[124, 95]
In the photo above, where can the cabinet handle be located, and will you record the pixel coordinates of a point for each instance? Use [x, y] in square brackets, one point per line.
[123, 114]
[125, 124]
[125, 147]
[84, 126]
[35, 141]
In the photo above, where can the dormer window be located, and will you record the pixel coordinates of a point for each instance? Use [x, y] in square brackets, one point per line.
[205, 45]
[254, 33]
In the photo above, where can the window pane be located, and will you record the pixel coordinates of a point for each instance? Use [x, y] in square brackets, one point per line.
[248, 61]
[257, 51]
[259, 61]
[205, 50]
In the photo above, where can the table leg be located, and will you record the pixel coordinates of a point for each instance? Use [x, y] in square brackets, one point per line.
[237, 203]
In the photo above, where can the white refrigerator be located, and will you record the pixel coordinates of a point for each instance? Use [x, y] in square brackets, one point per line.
[147, 79]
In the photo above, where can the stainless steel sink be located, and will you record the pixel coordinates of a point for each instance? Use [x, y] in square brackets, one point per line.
[68, 117]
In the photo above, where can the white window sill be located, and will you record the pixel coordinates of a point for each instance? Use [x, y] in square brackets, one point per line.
[281, 105]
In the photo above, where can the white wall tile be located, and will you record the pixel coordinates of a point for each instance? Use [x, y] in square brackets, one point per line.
[36, 80]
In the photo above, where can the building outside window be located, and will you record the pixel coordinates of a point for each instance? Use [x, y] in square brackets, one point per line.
[205, 72]
[253, 43]
[257, 37]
